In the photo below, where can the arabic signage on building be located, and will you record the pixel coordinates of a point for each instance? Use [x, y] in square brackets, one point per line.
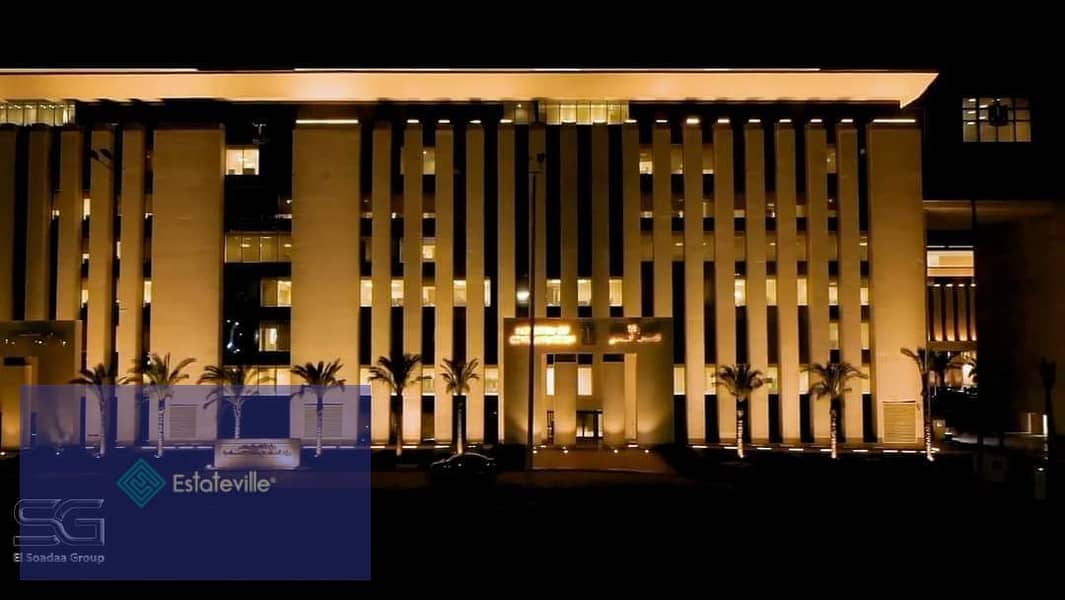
[257, 454]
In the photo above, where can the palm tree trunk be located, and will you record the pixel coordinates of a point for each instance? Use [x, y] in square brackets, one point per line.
[460, 430]
[236, 422]
[162, 422]
[739, 428]
[833, 414]
[103, 426]
[399, 424]
[319, 407]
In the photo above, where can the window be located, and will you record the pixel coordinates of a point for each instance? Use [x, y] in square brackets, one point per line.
[550, 377]
[258, 247]
[616, 291]
[366, 292]
[584, 292]
[771, 291]
[428, 250]
[585, 112]
[242, 160]
[864, 294]
[397, 292]
[33, 112]
[427, 381]
[273, 337]
[740, 291]
[833, 335]
[833, 293]
[830, 158]
[491, 380]
[276, 292]
[865, 335]
[147, 291]
[989, 119]
[801, 284]
[584, 381]
[678, 380]
[950, 263]
[428, 293]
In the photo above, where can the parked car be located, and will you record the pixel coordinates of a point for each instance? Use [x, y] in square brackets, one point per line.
[469, 467]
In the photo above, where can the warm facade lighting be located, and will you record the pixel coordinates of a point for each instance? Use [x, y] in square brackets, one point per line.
[723, 121]
[327, 121]
[846, 120]
[815, 121]
[475, 122]
[754, 120]
[443, 121]
[692, 120]
[894, 120]
[784, 121]
[506, 121]
[546, 335]
[661, 121]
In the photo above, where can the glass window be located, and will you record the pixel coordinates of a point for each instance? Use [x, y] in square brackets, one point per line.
[996, 119]
[865, 335]
[397, 292]
[491, 380]
[147, 291]
[242, 160]
[616, 292]
[36, 112]
[833, 293]
[647, 165]
[428, 250]
[258, 247]
[459, 291]
[773, 372]
[583, 112]
[804, 381]
[801, 290]
[366, 292]
[428, 295]
[584, 292]
[584, 381]
[553, 293]
[864, 294]
[833, 335]
[427, 384]
[771, 291]
[550, 380]
[276, 292]
[678, 380]
[740, 291]
[273, 337]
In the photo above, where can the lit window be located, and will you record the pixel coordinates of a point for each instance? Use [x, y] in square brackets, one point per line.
[459, 291]
[147, 291]
[647, 166]
[830, 158]
[84, 296]
[616, 292]
[584, 381]
[678, 380]
[364, 375]
[583, 113]
[865, 335]
[584, 292]
[254, 248]
[427, 382]
[867, 382]
[801, 286]
[833, 293]
[276, 292]
[242, 160]
[553, 293]
[491, 380]
[366, 292]
[517, 112]
[32, 112]
[86, 207]
[833, 335]
[429, 295]
[804, 381]
[864, 295]
[273, 337]
[397, 292]
[996, 120]
[740, 291]
[773, 372]
[429, 250]
[771, 291]
[950, 263]
[550, 375]
[711, 378]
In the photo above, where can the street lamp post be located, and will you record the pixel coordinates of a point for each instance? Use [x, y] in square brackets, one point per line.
[534, 169]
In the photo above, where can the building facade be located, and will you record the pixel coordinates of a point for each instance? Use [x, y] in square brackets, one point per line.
[656, 225]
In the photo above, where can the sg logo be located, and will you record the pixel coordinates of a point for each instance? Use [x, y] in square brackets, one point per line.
[49, 520]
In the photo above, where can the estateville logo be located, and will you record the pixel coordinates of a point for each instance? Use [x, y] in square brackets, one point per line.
[141, 483]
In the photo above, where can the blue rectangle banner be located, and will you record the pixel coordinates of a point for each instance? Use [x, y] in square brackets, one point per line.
[169, 492]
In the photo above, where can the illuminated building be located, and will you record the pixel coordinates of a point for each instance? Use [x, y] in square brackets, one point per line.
[710, 217]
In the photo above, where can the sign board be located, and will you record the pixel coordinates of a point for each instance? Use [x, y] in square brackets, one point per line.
[257, 454]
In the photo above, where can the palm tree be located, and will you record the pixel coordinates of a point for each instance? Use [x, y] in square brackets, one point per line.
[160, 378]
[319, 379]
[231, 386]
[398, 373]
[925, 362]
[832, 381]
[99, 380]
[741, 381]
[457, 375]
